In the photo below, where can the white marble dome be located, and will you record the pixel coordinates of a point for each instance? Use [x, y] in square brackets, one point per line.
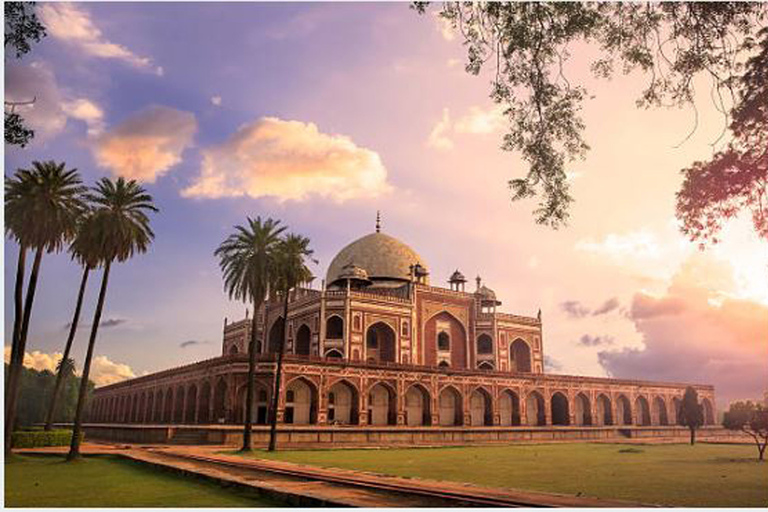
[383, 257]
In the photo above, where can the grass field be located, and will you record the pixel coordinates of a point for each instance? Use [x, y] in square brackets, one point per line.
[680, 475]
[46, 481]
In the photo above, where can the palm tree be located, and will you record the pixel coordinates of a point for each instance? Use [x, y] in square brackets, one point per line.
[247, 260]
[292, 253]
[87, 255]
[117, 229]
[42, 208]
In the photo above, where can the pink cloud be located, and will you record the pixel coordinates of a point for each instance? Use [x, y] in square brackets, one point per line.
[695, 333]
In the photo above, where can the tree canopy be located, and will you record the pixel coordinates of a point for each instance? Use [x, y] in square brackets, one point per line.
[527, 46]
[21, 29]
[752, 419]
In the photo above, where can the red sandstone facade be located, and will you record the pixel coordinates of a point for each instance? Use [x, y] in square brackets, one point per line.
[380, 346]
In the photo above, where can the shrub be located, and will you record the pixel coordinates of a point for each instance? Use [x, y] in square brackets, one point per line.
[40, 438]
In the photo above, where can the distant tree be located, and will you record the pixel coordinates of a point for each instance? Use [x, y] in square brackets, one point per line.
[35, 388]
[86, 253]
[691, 412]
[118, 228]
[42, 208]
[292, 254]
[527, 46]
[247, 260]
[752, 419]
[21, 28]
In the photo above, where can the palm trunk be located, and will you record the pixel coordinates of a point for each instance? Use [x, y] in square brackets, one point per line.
[74, 447]
[278, 374]
[18, 313]
[67, 349]
[14, 372]
[251, 389]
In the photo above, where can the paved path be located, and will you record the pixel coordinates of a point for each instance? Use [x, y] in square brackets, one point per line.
[302, 485]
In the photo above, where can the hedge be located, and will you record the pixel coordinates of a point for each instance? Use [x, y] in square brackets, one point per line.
[40, 438]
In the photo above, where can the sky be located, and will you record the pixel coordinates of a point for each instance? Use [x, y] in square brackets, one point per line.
[321, 114]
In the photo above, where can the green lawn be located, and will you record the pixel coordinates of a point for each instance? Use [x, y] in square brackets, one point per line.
[47, 481]
[681, 475]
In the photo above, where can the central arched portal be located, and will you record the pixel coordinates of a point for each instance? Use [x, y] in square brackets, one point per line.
[380, 343]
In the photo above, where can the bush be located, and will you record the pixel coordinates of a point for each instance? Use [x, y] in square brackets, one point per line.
[40, 438]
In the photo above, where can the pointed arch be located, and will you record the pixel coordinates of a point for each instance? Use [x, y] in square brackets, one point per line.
[334, 354]
[191, 408]
[560, 409]
[509, 408]
[623, 410]
[417, 405]
[334, 328]
[604, 410]
[659, 413]
[642, 411]
[535, 414]
[450, 406]
[446, 335]
[300, 402]
[481, 411]
[484, 344]
[381, 343]
[520, 356]
[204, 409]
[382, 404]
[582, 409]
[303, 341]
[343, 403]
[220, 401]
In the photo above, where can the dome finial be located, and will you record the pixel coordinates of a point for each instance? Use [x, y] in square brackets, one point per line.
[378, 221]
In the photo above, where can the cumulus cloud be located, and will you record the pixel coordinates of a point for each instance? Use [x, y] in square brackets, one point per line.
[87, 111]
[574, 308]
[438, 137]
[288, 160]
[75, 26]
[103, 370]
[192, 343]
[588, 340]
[477, 121]
[689, 337]
[37, 360]
[147, 144]
[480, 120]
